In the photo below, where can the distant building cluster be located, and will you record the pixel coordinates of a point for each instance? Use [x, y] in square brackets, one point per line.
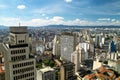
[60, 54]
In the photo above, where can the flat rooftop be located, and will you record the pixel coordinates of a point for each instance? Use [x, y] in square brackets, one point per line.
[46, 69]
[18, 29]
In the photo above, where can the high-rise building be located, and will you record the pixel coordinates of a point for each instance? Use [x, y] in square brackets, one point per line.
[56, 46]
[112, 47]
[67, 46]
[85, 46]
[99, 40]
[75, 56]
[18, 64]
[67, 71]
[68, 43]
[46, 73]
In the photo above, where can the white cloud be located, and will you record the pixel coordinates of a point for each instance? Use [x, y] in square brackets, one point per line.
[56, 20]
[104, 19]
[113, 20]
[21, 7]
[10, 21]
[68, 1]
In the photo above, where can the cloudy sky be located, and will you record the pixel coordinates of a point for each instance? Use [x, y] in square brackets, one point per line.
[66, 12]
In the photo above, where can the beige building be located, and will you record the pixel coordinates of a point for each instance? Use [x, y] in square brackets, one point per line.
[46, 73]
[18, 64]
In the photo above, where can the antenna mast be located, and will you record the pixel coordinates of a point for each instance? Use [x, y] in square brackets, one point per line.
[19, 24]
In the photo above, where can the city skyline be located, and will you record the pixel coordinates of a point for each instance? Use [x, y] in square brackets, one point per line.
[55, 12]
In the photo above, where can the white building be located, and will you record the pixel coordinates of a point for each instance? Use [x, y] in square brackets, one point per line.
[97, 65]
[85, 46]
[56, 46]
[67, 46]
[46, 74]
[40, 49]
[77, 57]
[115, 65]
[99, 40]
[18, 64]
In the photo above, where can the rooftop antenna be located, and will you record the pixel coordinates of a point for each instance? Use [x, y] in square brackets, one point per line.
[19, 24]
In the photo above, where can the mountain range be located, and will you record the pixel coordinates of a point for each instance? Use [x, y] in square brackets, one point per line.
[64, 27]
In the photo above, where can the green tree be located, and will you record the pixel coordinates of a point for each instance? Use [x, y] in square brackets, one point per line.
[51, 63]
[46, 62]
[38, 65]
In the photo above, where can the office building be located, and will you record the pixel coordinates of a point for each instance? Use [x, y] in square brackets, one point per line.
[85, 47]
[56, 46]
[67, 46]
[75, 56]
[67, 71]
[46, 73]
[112, 47]
[18, 64]
[99, 40]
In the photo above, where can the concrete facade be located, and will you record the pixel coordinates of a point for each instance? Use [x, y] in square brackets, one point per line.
[18, 64]
[46, 73]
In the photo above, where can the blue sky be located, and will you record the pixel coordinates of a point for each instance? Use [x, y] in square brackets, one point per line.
[67, 12]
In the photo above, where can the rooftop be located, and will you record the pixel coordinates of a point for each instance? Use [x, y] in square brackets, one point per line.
[101, 73]
[17, 29]
[46, 69]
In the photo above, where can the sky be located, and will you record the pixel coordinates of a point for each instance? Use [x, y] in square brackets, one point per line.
[57, 12]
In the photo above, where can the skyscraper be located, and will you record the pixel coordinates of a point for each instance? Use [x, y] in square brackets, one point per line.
[112, 47]
[67, 46]
[75, 56]
[98, 40]
[85, 46]
[18, 64]
[56, 46]
[67, 71]
[46, 73]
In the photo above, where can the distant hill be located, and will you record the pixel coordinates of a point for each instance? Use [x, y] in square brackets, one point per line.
[64, 27]
[74, 27]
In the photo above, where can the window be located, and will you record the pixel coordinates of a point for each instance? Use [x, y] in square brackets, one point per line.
[21, 41]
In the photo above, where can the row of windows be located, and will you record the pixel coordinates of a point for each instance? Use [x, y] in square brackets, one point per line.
[21, 41]
[23, 70]
[23, 64]
[24, 76]
[49, 77]
[31, 79]
[18, 51]
[18, 58]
